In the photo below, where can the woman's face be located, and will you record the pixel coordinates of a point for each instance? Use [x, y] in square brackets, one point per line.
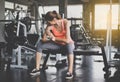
[54, 21]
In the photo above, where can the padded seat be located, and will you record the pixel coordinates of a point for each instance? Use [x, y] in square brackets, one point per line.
[86, 52]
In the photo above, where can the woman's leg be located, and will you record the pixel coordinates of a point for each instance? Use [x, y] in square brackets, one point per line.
[40, 47]
[70, 48]
[70, 63]
[38, 59]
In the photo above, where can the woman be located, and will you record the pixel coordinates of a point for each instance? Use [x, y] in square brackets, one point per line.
[57, 35]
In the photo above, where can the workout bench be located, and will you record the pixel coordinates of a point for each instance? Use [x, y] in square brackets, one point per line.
[33, 49]
[48, 52]
[92, 51]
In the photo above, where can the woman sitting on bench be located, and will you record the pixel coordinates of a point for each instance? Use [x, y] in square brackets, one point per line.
[56, 36]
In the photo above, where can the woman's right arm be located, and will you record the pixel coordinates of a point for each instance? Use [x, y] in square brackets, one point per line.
[47, 36]
[44, 38]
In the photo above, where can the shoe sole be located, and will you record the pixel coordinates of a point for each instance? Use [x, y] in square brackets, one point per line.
[35, 74]
[68, 77]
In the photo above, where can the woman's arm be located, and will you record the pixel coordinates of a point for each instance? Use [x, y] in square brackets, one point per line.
[67, 27]
[47, 36]
[44, 38]
[49, 33]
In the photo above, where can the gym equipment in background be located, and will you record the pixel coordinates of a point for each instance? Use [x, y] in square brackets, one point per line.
[87, 46]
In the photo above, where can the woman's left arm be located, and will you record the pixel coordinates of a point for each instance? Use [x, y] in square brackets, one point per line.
[67, 27]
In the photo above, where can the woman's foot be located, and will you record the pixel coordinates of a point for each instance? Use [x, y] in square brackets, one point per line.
[35, 72]
[69, 75]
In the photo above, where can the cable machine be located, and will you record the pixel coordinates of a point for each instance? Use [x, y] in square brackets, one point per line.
[109, 33]
[117, 54]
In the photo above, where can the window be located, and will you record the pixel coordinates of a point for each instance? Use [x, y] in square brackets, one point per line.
[10, 15]
[74, 11]
[45, 9]
[20, 7]
[9, 5]
[101, 16]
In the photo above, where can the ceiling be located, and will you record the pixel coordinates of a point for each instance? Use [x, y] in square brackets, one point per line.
[56, 2]
[46, 2]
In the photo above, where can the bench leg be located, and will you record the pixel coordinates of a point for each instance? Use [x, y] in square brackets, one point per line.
[45, 61]
[105, 59]
[106, 66]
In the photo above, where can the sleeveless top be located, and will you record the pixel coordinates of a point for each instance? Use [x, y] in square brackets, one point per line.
[59, 34]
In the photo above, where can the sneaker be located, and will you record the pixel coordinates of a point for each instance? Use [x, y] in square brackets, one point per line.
[69, 75]
[35, 72]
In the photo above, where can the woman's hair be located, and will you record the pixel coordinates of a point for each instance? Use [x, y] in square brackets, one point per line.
[58, 16]
[50, 15]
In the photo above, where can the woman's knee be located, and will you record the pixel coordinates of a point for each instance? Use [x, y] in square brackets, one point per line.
[70, 49]
[71, 46]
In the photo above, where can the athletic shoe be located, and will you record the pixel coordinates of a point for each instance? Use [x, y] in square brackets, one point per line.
[69, 75]
[35, 72]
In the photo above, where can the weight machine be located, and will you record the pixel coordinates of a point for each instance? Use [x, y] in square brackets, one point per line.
[81, 37]
[87, 46]
[115, 61]
[117, 54]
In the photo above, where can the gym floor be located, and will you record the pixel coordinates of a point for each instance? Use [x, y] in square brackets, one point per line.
[87, 69]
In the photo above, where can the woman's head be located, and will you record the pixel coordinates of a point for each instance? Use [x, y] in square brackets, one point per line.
[58, 16]
[51, 15]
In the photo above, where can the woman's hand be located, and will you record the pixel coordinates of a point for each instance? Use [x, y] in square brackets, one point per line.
[63, 40]
[46, 38]
[53, 39]
[66, 40]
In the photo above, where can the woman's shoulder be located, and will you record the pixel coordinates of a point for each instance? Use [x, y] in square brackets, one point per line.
[64, 20]
[49, 27]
